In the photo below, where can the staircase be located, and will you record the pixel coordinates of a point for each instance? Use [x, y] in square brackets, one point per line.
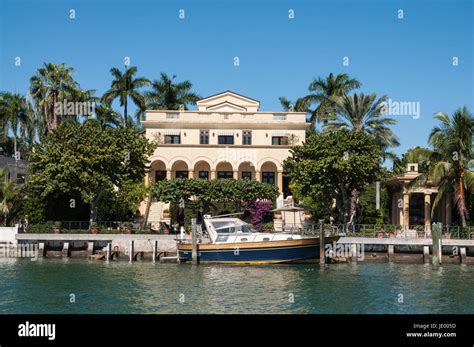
[155, 214]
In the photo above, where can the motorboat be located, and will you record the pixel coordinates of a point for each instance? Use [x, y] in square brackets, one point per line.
[233, 241]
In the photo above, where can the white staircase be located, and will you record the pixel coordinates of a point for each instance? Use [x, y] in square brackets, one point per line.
[156, 212]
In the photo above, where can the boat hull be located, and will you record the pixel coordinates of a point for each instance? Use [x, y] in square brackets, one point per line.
[255, 252]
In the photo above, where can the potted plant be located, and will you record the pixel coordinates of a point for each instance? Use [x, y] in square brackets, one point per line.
[128, 228]
[57, 227]
[379, 232]
[420, 231]
[391, 233]
[166, 213]
[94, 228]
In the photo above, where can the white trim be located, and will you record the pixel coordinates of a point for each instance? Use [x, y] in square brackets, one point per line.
[282, 133]
[171, 132]
[225, 133]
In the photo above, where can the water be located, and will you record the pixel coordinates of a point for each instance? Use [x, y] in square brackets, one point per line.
[44, 286]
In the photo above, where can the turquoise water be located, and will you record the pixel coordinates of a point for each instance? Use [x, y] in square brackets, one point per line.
[45, 286]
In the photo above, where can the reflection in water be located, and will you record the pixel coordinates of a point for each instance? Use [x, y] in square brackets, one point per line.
[45, 286]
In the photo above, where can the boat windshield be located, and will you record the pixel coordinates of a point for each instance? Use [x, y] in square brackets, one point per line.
[231, 227]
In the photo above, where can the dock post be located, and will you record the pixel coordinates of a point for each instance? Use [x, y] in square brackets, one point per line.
[322, 255]
[90, 248]
[436, 235]
[194, 254]
[155, 250]
[131, 250]
[41, 248]
[426, 254]
[462, 255]
[109, 251]
[353, 253]
[391, 250]
[65, 251]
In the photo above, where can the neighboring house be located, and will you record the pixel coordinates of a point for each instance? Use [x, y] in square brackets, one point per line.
[226, 137]
[411, 207]
[17, 169]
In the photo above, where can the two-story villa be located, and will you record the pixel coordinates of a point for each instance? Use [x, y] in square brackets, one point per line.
[226, 137]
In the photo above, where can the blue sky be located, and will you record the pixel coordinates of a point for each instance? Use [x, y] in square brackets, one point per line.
[408, 59]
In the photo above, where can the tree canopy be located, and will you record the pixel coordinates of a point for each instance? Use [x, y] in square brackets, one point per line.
[236, 191]
[87, 161]
[330, 166]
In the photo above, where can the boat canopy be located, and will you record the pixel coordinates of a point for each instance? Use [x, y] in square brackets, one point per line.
[229, 226]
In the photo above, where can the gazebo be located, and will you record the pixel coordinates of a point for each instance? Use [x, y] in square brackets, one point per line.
[411, 206]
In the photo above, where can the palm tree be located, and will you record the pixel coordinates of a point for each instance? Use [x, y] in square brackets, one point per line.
[322, 90]
[451, 159]
[301, 105]
[9, 198]
[106, 116]
[363, 113]
[125, 86]
[167, 95]
[419, 155]
[17, 116]
[52, 84]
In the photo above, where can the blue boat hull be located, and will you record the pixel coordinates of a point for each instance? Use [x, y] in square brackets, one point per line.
[261, 253]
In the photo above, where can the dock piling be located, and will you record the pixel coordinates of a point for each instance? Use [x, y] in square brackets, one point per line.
[131, 250]
[65, 251]
[426, 254]
[436, 235]
[194, 254]
[390, 252]
[41, 250]
[154, 251]
[353, 253]
[462, 255]
[109, 251]
[90, 248]
[322, 256]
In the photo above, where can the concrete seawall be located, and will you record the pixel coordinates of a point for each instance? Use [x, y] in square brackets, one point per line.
[83, 245]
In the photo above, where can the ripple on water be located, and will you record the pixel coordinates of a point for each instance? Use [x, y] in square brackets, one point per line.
[119, 287]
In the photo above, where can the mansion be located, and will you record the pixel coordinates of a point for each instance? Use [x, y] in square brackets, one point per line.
[226, 137]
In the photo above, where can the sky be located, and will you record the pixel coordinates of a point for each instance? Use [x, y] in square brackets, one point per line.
[409, 59]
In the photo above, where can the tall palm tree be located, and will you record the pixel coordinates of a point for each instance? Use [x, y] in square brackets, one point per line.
[168, 95]
[16, 117]
[9, 198]
[52, 84]
[322, 90]
[126, 85]
[363, 113]
[451, 160]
